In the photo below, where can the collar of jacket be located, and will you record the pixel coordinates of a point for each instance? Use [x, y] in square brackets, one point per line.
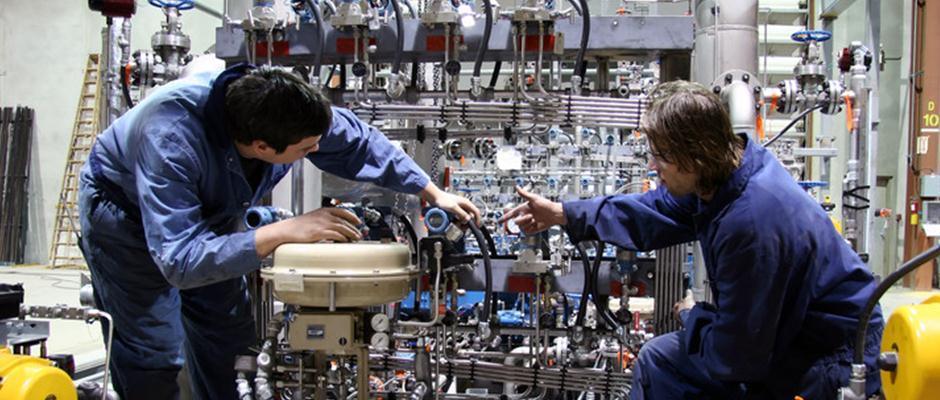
[215, 105]
[734, 186]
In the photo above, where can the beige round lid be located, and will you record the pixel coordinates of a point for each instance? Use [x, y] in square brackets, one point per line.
[344, 260]
[340, 274]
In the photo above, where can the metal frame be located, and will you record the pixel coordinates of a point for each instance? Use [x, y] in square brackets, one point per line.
[645, 37]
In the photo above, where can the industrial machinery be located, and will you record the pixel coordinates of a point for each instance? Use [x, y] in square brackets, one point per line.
[908, 348]
[540, 94]
[126, 72]
[46, 376]
[487, 97]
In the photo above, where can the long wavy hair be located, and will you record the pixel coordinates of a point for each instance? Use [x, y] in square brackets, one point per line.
[690, 128]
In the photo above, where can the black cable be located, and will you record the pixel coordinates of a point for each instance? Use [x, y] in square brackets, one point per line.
[865, 316]
[414, 74]
[412, 236]
[126, 87]
[495, 77]
[852, 194]
[330, 76]
[488, 268]
[399, 37]
[564, 300]
[601, 304]
[792, 123]
[321, 32]
[489, 240]
[580, 66]
[586, 290]
[485, 41]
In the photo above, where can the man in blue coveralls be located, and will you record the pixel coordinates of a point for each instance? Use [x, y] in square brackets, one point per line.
[787, 288]
[162, 197]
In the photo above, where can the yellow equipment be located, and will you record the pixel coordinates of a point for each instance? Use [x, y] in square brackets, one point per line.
[33, 378]
[913, 333]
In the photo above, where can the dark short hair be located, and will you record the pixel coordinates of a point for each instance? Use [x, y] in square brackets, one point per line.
[690, 127]
[275, 106]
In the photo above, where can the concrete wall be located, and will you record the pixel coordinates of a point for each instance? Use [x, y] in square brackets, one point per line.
[43, 49]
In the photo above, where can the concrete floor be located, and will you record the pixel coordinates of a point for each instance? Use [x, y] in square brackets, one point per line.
[50, 287]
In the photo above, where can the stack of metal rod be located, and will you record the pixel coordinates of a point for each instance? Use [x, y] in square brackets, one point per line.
[610, 383]
[16, 127]
[560, 110]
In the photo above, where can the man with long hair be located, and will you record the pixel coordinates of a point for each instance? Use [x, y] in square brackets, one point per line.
[787, 288]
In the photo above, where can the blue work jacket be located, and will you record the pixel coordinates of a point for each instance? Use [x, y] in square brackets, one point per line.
[787, 288]
[169, 165]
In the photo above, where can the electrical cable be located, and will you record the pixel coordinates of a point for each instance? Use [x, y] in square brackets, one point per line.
[495, 77]
[488, 268]
[126, 87]
[485, 41]
[399, 36]
[580, 66]
[586, 290]
[601, 304]
[489, 240]
[792, 123]
[412, 236]
[321, 32]
[865, 316]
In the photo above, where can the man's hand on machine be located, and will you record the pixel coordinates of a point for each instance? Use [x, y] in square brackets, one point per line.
[333, 224]
[460, 207]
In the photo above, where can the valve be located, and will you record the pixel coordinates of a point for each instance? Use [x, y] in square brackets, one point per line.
[259, 216]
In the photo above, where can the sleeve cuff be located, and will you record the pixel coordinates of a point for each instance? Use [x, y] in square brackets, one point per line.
[417, 182]
[684, 316]
[245, 255]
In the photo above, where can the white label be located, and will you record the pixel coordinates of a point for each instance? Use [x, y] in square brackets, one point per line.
[923, 143]
[508, 159]
[290, 281]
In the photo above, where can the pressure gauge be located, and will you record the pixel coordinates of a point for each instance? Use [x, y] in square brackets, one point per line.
[380, 323]
[380, 341]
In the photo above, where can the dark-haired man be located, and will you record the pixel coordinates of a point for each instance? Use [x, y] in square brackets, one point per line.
[162, 195]
[787, 288]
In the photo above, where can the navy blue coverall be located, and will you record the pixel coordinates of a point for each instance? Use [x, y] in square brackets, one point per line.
[787, 288]
[162, 197]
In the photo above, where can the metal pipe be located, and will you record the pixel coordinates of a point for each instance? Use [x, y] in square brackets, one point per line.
[718, 22]
[741, 108]
[101, 315]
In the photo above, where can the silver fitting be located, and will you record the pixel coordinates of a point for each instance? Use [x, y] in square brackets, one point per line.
[576, 84]
[483, 330]
[396, 86]
[476, 88]
[858, 370]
